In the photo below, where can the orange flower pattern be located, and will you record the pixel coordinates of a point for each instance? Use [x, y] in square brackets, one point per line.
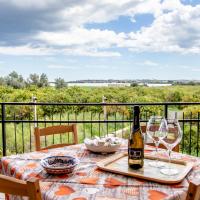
[156, 195]
[113, 182]
[89, 180]
[64, 190]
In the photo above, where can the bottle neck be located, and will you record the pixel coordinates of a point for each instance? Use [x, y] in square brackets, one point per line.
[136, 121]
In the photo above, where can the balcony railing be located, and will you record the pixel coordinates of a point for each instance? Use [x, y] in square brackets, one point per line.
[19, 119]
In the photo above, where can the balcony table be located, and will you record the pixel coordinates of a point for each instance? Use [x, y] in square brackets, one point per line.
[88, 182]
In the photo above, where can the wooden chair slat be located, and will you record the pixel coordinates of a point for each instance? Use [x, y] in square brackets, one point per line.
[55, 130]
[60, 129]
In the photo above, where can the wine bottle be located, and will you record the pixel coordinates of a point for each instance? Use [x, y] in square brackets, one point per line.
[136, 143]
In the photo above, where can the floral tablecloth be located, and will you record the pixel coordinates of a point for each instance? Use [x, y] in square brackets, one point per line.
[88, 182]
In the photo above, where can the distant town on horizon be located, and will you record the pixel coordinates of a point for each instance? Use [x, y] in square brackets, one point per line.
[128, 82]
[131, 81]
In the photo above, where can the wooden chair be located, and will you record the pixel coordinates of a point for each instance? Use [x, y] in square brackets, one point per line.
[60, 129]
[143, 129]
[29, 188]
[193, 191]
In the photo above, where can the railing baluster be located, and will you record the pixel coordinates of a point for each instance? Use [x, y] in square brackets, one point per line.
[183, 129]
[147, 115]
[198, 134]
[166, 110]
[115, 123]
[84, 124]
[123, 125]
[107, 125]
[76, 115]
[68, 124]
[3, 119]
[15, 130]
[45, 125]
[23, 136]
[60, 124]
[52, 125]
[30, 134]
[91, 125]
[190, 146]
[99, 125]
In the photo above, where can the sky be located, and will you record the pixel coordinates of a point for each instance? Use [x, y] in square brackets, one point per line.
[107, 39]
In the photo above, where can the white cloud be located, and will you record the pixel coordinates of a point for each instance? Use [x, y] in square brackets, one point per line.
[61, 28]
[90, 52]
[150, 6]
[31, 4]
[44, 51]
[81, 36]
[83, 42]
[175, 31]
[176, 28]
[25, 50]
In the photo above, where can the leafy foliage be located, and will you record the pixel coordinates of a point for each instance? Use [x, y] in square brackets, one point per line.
[89, 95]
[60, 83]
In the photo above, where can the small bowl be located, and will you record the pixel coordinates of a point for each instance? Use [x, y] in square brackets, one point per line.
[103, 149]
[101, 146]
[59, 164]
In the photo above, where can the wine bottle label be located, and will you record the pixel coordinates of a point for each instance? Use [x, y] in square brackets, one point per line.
[135, 154]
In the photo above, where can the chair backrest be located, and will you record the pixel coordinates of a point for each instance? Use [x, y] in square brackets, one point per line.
[60, 129]
[193, 191]
[29, 188]
[143, 129]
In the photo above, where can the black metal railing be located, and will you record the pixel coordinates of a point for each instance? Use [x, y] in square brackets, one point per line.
[19, 119]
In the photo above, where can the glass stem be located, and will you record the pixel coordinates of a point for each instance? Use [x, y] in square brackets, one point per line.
[169, 154]
[156, 145]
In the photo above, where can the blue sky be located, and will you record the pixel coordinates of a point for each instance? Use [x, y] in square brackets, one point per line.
[124, 39]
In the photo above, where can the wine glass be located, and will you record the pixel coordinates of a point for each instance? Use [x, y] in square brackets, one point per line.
[174, 137]
[156, 130]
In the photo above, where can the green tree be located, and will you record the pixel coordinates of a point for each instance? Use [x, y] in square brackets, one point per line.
[43, 82]
[34, 79]
[38, 80]
[133, 84]
[60, 83]
[15, 80]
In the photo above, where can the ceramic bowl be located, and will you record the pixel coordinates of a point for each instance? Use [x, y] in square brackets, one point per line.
[103, 145]
[59, 164]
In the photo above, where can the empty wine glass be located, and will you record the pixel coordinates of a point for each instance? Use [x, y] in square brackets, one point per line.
[174, 137]
[156, 130]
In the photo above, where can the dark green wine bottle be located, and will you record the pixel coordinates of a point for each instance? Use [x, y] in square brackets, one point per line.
[136, 143]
